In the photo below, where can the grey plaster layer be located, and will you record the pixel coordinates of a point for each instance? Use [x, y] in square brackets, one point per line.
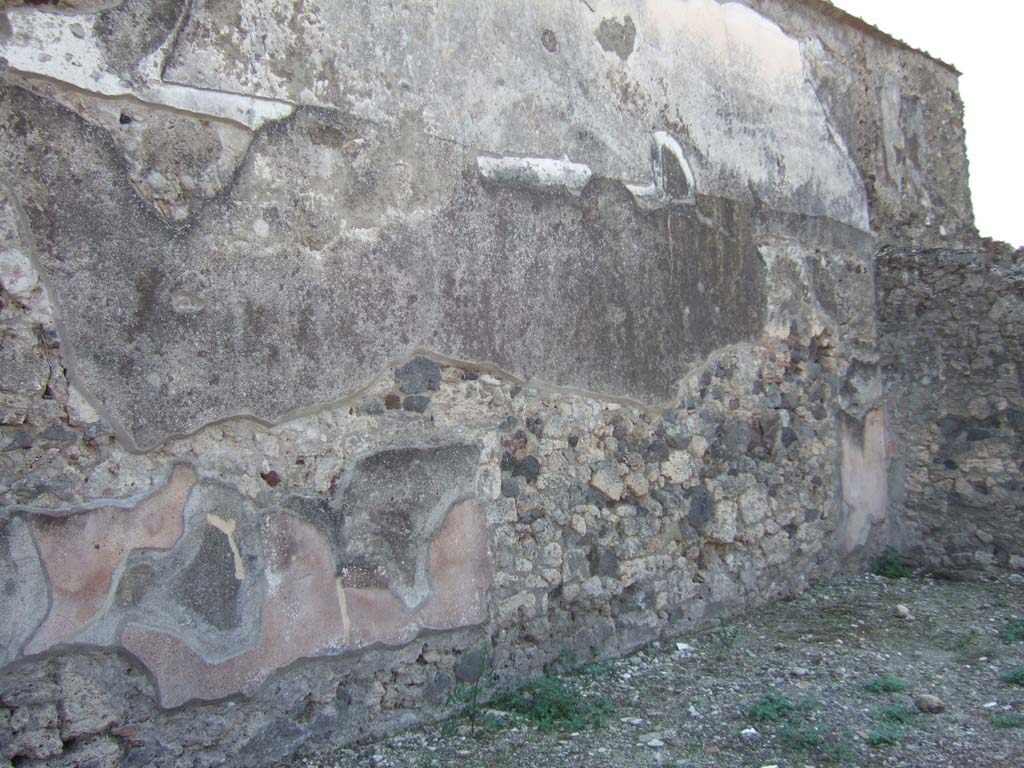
[898, 111]
[22, 588]
[269, 302]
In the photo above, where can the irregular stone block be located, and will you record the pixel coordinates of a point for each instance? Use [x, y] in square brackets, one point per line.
[608, 482]
[23, 366]
[416, 403]
[86, 708]
[702, 508]
[418, 375]
[35, 731]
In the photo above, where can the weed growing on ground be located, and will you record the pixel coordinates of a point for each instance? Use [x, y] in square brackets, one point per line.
[1014, 676]
[469, 698]
[895, 713]
[815, 740]
[795, 733]
[566, 663]
[727, 635]
[886, 684]
[772, 707]
[555, 704]
[1012, 630]
[889, 565]
[961, 643]
[883, 735]
[1008, 720]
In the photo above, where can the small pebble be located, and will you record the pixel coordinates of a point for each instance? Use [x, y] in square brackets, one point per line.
[902, 611]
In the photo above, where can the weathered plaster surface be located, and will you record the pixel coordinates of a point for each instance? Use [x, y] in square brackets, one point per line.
[340, 339]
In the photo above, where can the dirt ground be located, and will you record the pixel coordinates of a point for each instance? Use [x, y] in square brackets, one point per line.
[837, 677]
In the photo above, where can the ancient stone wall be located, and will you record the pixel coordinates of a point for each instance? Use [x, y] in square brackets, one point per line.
[951, 336]
[345, 341]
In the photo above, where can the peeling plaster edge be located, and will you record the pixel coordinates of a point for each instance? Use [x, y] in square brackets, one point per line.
[247, 110]
[358, 393]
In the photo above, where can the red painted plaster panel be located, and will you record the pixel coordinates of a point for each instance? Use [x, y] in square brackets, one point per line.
[308, 612]
[82, 552]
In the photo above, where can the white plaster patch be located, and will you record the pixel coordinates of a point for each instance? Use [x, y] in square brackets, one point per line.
[656, 194]
[65, 48]
[17, 275]
[536, 172]
[80, 411]
[865, 486]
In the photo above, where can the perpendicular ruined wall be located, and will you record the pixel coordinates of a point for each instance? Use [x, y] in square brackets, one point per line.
[952, 330]
[343, 339]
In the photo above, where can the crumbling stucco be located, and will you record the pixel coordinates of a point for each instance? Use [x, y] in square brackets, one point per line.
[340, 339]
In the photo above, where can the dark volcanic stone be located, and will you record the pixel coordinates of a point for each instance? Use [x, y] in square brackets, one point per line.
[603, 562]
[528, 469]
[510, 488]
[702, 508]
[419, 375]
[416, 403]
[470, 666]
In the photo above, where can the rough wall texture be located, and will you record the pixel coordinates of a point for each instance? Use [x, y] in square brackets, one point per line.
[341, 339]
[952, 336]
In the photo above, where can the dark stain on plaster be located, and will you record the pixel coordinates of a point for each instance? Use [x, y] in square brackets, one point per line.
[618, 37]
[131, 31]
[587, 291]
[385, 512]
[549, 41]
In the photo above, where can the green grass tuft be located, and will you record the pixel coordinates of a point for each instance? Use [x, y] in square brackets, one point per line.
[889, 565]
[901, 714]
[773, 707]
[555, 704]
[884, 735]
[886, 684]
[1012, 630]
[815, 740]
[1008, 720]
[1015, 676]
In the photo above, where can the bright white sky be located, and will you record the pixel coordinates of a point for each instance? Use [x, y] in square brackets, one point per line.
[981, 38]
